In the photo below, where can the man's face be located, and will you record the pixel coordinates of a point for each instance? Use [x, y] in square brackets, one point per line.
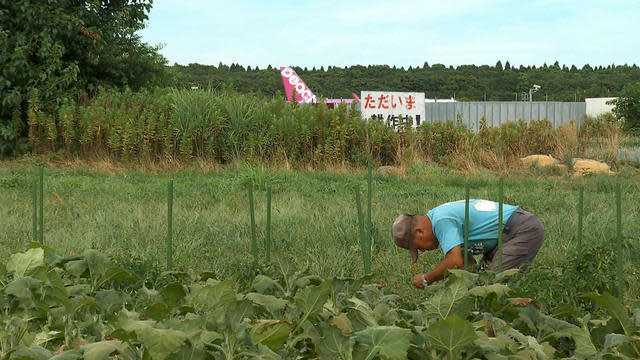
[422, 238]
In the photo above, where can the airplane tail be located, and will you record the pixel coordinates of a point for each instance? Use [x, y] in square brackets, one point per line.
[291, 81]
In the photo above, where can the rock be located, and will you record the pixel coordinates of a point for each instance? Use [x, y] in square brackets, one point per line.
[588, 166]
[540, 160]
[389, 170]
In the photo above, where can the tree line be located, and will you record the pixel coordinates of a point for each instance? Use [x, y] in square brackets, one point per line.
[465, 82]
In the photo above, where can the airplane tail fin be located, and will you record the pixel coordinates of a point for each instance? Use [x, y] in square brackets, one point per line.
[291, 81]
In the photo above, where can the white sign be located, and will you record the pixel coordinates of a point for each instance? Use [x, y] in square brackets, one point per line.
[394, 108]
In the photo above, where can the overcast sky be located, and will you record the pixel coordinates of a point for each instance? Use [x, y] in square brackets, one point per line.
[395, 32]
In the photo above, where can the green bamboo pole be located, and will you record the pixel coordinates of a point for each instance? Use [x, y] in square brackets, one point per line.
[170, 225]
[254, 243]
[466, 225]
[580, 213]
[619, 242]
[366, 261]
[34, 196]
[268, 238]
[369, 232]
[500, 203]
[369, 189]
[41, 210]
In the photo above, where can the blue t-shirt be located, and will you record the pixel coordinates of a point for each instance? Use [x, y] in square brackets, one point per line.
[448, 224]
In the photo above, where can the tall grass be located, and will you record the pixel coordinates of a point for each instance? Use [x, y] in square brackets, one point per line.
[223, 127]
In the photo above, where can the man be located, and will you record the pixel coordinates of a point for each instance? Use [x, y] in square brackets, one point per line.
[444, 226]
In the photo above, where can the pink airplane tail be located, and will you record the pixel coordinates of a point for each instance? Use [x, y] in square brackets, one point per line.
[291, 81]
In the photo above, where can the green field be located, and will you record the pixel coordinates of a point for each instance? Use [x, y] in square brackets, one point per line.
[123, 214]
[313, 300]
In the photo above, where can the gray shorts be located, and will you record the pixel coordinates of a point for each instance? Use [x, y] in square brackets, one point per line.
[522, 237]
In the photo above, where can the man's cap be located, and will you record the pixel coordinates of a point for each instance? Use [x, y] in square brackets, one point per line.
[403, 235]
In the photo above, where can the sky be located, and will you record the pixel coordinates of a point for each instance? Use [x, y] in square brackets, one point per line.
[398, 33]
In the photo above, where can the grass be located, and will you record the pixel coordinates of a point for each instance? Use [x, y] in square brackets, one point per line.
[314, 219]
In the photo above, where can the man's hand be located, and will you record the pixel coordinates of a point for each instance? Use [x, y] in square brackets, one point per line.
[417, 281]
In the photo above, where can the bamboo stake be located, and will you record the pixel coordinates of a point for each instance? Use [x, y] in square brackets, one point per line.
[365, 259]
[41, 210]
[580, 214]
[170, 225]
[466, 225]
[254, 243]
[34, 196]
[500, 203]
[268, 238]
[619, 238]
[369, 232]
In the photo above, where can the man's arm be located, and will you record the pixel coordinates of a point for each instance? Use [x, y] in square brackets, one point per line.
[452, 260]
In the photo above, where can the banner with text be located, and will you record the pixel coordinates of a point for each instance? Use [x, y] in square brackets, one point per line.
[394, 108]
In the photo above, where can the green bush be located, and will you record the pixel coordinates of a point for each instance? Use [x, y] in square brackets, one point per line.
[627, 107]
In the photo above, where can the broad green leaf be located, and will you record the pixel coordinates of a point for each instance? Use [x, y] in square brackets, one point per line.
[545, 326]
[343, 323]
[492, 345]
[264, 353]
[533, 349]
[585, 349]
[33, 352]
[483, 291]
[43, 337]
[612, 340]
[390, 342]
[311, 299]
[68, 355]
[615, 308]
[22, 287]
[76, 267]
[102, 350]
[451, 335]
[469, 278]
[161, 343]
[173, 293]
[448, 300]
[109, 300]
[266, 285]
[272, 333]
[305, 281]
[636, 316]
[505, 274]
[238, 310]
[96, 261]
[118, 275]
[212, 297]
[362, 314]
[26, 263]
[273, 304]
[157, 311]
[334, 344]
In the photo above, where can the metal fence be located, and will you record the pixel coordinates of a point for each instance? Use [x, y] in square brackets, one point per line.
[498, 112]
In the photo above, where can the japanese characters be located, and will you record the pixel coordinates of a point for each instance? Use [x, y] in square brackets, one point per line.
[394, 108]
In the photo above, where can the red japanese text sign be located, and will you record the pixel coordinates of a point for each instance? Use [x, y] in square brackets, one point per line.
[394, 108]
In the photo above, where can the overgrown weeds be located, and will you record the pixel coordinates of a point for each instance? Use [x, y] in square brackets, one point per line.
[223, 127]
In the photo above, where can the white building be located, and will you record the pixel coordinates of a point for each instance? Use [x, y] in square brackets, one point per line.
[598, 106]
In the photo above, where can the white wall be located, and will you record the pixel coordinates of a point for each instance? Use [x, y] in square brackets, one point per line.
[597, 106]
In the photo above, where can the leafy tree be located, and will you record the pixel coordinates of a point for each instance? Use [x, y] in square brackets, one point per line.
[627, 107]
[64, 47]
